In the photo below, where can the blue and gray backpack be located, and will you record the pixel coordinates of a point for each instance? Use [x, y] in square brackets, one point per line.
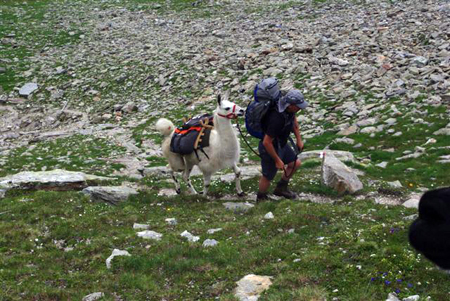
[266, 95]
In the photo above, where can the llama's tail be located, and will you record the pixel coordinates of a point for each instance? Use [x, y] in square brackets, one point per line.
[165, 126]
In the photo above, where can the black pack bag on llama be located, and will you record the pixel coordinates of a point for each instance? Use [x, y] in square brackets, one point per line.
[266, 94]
[192, 135]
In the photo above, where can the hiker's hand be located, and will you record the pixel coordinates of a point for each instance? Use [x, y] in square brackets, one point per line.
[279, 164]
[300, 146]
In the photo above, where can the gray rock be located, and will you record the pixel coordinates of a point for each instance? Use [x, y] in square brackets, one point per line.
[93, 296]
[28, 89]
[316, 154]
[141, 226]
[130, 107]
[110, 194]
[338, 176]
[348, 131]
[344, 140]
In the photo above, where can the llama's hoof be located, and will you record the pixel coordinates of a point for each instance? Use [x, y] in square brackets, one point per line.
[241, 194]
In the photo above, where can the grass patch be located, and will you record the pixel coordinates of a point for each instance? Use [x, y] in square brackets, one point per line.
[56, 243]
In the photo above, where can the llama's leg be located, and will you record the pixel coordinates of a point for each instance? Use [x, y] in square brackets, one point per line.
[237, 172]
[206, 182]
[186, 173]
[177, 184]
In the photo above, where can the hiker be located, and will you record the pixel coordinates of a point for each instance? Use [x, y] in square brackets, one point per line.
[279, 122]
[429, 233]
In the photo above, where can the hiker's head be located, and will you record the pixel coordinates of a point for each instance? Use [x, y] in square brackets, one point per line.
[293, 101]
[429, 233]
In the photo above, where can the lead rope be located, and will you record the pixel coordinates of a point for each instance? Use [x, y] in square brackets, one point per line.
[245, 139]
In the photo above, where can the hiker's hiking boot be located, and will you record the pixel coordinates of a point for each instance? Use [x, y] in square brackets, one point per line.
[261, 196]
[283, 191]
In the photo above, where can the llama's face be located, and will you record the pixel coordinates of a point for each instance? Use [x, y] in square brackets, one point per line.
[229, 109]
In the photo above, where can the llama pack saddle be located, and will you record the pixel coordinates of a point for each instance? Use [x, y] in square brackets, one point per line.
[193, 135]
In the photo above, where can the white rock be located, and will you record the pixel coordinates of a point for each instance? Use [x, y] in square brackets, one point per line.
[171, 221]
[189, 236]
[395, 184]
[412, 298]
[210, 243]
[115, 252]
[212, 231]
[411, 203]
[392, 297]
[148, 234]
[93, 296]
[269, 215]
[251, 286]
[382, 164]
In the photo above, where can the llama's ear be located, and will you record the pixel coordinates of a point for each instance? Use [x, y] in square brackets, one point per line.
[219, 99]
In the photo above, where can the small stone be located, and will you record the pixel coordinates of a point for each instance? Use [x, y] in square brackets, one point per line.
[93, 296]
[141, 226]
[212, 231]
[171, 221]
[269, 215]
[382, 164]
[189, 236]
[148, 234]
[115, 252]
[210, 243]
[411, 203]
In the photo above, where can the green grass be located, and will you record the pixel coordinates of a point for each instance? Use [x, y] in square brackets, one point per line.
[75, 153]
[355, 250]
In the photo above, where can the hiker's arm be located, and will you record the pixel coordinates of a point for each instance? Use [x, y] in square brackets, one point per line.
[297, 134]
[268, 144]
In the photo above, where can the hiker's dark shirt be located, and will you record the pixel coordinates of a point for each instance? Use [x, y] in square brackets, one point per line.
[278, 126]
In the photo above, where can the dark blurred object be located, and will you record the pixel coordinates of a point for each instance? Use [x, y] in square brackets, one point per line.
[430, 232]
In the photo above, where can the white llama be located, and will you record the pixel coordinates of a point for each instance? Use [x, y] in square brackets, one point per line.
[223, 150]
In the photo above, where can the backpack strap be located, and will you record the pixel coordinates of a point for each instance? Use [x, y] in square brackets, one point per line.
[255, 96]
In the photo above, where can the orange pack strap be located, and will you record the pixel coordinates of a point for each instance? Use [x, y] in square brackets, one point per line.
[194, 128]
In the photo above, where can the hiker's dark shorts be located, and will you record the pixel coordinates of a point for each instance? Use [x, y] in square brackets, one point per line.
[269, 169]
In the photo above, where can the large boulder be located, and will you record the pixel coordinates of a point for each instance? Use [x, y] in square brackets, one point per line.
[50, 180]
[251, 286]
[109, 194]
[339, 176]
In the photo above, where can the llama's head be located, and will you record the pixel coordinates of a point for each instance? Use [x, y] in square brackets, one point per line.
[228, 109]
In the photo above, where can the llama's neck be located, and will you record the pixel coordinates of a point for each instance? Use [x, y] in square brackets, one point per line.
[225, 130]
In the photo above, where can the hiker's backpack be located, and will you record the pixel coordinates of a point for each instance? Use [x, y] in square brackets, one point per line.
[266, 95]
[193, 135]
